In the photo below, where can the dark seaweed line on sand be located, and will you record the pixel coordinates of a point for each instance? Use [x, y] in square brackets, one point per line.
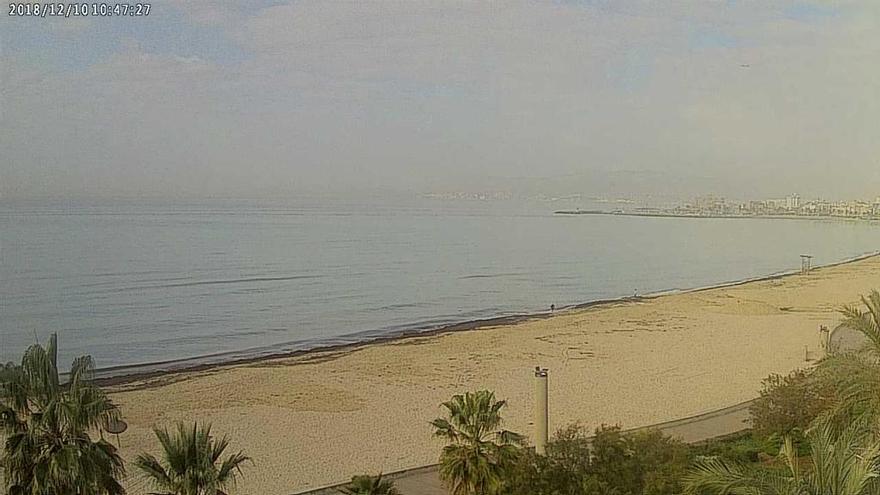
[118, 375]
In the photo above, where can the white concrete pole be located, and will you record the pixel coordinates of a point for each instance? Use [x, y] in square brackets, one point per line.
[541, 411]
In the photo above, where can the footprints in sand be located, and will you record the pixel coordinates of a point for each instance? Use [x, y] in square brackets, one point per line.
[573, 346]
[729, 304]
[577, 354]
[652, 322]
[676, 375]
[318, 399]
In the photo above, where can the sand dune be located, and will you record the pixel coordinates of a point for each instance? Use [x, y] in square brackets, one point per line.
[316, 419]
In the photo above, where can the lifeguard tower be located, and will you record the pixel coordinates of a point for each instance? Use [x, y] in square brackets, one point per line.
[806, 263]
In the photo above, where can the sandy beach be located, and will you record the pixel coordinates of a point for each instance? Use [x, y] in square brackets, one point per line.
[315, 419]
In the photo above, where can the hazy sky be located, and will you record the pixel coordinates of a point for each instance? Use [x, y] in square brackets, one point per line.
[257, 98]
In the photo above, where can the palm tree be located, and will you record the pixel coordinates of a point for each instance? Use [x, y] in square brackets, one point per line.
[478, 452]
[855, 374]
[48, 424]
[844, 464]
[189, 464]
[866, 322]
[369, 485]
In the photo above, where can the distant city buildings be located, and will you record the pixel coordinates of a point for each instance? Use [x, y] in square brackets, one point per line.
[791, 205]
[471, 196]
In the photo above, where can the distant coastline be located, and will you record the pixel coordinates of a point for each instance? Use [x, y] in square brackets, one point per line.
[654, 214]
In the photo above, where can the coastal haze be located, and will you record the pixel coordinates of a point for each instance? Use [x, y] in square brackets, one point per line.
[266, 98]
[311, 223]
[141, 283]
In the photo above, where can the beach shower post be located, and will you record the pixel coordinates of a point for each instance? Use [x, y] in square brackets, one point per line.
[824, 338]
[541, 411]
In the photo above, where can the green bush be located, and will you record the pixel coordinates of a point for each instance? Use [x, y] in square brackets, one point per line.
[788, 404]
[745, 448]
[369, 485]
[663, 461]
[610, 463]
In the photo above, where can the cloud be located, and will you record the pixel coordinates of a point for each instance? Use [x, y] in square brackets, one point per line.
[409, 94]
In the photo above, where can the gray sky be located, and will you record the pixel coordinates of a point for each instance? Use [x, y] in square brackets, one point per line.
[257, 98]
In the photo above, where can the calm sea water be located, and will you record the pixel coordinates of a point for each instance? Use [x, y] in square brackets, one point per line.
[134, 284]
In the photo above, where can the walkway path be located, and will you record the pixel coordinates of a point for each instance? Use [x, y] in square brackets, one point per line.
[719, 423]
[714, 424]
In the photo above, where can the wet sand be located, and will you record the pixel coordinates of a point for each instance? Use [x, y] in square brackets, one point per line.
[318, 418]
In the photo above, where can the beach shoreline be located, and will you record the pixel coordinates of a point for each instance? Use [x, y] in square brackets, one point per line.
[123, 374]
[319, 417]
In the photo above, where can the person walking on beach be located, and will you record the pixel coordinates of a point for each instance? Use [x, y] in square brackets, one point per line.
[552, 308]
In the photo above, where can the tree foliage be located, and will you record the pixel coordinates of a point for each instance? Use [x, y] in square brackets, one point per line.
[609, 463]
[855, 375]
[369, 485]
[562, 471]
[837, 406]
[867, 321]
[192, 462]
[478, 453]
[48, 425]
[789, 403]
[840, 463]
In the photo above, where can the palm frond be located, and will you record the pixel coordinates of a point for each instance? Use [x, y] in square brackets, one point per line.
[477, 451]
[48, 448]
[192, 461]
[841, 463]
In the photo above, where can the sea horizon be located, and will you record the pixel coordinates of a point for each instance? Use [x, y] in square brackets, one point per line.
[244, 296]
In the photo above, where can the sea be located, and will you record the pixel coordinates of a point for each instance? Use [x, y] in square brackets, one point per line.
[166, 284]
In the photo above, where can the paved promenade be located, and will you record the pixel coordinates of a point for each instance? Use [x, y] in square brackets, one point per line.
[723, 422]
